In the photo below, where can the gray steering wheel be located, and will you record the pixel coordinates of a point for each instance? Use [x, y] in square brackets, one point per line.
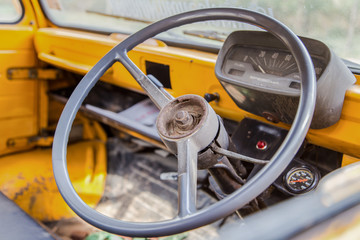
[186, 145]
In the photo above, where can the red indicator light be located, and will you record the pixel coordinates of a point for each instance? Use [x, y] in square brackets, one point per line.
[261, 145]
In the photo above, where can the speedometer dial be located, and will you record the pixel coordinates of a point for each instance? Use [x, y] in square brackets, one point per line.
[271, 61]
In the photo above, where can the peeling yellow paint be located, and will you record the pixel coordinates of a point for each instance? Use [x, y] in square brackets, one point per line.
[27, 179]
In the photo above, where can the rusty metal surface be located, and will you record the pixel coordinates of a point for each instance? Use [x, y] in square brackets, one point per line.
[34, 73]
[181, 117]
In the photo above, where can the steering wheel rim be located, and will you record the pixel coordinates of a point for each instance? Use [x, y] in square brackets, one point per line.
[236, 200]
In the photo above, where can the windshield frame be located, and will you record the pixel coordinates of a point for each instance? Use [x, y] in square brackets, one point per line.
[189, 44]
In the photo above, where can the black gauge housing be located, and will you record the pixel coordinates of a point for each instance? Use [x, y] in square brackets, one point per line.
[262, 77]
[300, 180]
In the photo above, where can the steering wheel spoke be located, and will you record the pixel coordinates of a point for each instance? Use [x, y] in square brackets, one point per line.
[187, 177]
[158, 95]
[237, 156]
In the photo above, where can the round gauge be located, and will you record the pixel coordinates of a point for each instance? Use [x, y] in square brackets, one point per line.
[300, 180]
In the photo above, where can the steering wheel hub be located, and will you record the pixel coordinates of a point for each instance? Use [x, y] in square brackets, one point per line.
[184, 121]
[187, 117]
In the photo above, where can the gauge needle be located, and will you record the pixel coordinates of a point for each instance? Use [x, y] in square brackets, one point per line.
[300, 180]
[261, 69]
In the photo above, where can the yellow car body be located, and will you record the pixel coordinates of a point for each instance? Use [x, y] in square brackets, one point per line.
[35, 57]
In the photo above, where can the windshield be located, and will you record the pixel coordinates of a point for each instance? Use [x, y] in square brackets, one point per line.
[335, 22]
[10, 11]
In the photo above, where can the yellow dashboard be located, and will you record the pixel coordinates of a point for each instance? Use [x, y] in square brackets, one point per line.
[191, 71]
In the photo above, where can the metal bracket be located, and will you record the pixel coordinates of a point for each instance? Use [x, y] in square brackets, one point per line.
[30, 141]
[34, 73]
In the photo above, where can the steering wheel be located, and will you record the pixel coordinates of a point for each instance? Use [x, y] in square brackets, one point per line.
[188, 141]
